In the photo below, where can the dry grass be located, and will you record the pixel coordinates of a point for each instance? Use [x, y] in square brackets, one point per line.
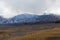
[32, 32]
[40, 35]
[5, 34]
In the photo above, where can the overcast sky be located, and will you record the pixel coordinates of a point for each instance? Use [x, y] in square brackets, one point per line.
[35, 6]
[14, 7]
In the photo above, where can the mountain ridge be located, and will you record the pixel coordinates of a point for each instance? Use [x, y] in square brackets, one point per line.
[29, 18]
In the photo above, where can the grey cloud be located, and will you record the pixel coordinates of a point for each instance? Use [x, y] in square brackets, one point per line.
[35, 6]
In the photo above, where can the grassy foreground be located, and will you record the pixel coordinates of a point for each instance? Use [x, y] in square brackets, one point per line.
[31, 32]
[40, 35]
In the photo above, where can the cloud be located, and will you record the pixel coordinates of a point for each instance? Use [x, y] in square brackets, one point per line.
[35, 6]
[15, 7]
[6, 11]
[55, 8]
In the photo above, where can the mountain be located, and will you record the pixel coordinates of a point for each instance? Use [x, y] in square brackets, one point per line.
[49, 18]
[25, 18]
[2, 20]
[29, 18]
